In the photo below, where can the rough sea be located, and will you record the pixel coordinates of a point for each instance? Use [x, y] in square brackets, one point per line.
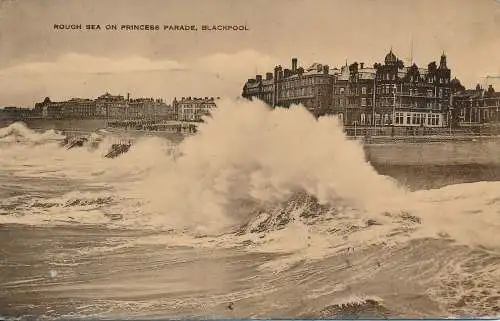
[260, 214]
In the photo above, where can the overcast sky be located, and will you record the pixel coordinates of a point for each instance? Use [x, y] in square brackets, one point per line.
[38, 61]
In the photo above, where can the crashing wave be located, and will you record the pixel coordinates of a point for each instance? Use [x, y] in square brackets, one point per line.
[19, 132]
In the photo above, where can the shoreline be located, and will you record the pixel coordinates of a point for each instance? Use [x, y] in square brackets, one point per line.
[366, 135]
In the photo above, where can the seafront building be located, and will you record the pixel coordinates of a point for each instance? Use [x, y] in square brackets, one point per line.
[193, 108]
[116, 108]
[311, 87]
[106, 106]
[477, 106]
[15, 113]
[386, 94]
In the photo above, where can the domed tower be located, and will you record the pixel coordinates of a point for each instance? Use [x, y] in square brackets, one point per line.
[391, 59]
[389, 71]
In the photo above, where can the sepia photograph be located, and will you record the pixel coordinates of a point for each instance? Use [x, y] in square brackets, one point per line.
[265, 159]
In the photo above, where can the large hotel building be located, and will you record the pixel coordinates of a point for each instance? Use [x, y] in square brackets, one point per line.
[388, 94]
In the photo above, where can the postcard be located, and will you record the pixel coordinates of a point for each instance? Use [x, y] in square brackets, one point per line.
[284, 159]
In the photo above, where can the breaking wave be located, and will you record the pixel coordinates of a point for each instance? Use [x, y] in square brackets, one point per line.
[20, 133]
[249, 170]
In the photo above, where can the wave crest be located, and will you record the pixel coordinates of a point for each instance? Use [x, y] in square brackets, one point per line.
[19, 132]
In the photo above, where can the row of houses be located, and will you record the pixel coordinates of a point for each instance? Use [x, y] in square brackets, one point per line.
[115, 107]
[106, 106]
[385, 94]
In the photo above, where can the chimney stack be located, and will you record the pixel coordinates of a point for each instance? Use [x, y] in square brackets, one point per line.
[294, 64]
[326, 69]
[277, 73]
[269, 76]
[361, 65]
[258, 78]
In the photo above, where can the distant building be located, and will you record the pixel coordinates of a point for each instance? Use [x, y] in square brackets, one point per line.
[193, 109]
[15, 113]
[477, 106]
[79, 108]
[311, 87]
[75, 108]
[110, 106]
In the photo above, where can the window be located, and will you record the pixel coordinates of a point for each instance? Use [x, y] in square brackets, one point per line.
[363, 119]
[399, 118]
[363, 101]
[433, 120]
[363, 90]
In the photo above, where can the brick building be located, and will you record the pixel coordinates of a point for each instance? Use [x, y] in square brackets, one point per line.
[391, 94]
[311, 87]
[386, 94]
[477, 106]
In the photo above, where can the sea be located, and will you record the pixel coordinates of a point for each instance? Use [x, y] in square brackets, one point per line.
[261, 214]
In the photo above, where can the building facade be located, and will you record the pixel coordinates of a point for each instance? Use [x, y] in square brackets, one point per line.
[16, 113]
[106, 106]
[148, 109]
[387, 94]
[111, 106]
[477, 106]
[391, 94]
[193, 108]
[311, 87]
[78, 108]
